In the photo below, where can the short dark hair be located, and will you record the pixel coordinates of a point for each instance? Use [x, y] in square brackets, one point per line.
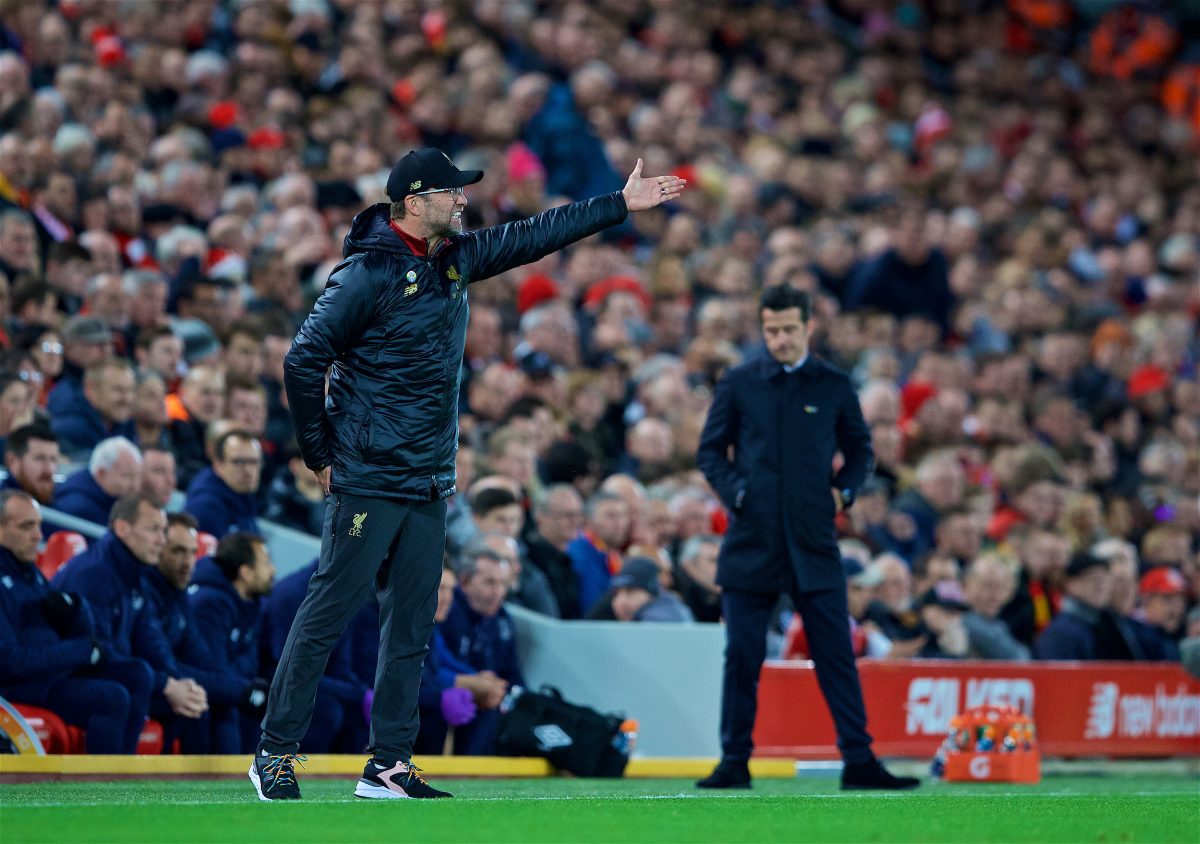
[249, 326]
[147, 336]
[219, 445]
[487, 500]
[26, 289]
[67, 250]
[783, 296]
[236, 550]
[18, 441]
[126, 509]
[239, 382]
[186, 520]
[524, 408]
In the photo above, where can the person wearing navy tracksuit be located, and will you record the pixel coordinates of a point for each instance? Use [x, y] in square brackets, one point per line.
[338, 724]
[80, 495]
[223, 496]
[481, 633]
[373, 381]
[452, 691]
[31, 456]
[226, 598]
[109, 577]
[785, 415]
[229, 693]
[49, 655]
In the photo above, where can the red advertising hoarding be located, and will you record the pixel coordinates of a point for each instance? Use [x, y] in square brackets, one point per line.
[1081, 709]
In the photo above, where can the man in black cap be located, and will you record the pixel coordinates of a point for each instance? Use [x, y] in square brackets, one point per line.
[1082, 629]
[390, 328]
[638, 596]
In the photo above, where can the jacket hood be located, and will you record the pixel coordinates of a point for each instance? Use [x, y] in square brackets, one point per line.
[209, 575]
[82, 483]
[370, 231]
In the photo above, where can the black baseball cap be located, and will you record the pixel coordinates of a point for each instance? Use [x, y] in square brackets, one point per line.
[946, 594]
[1082, 562]
[637, 573]
[427, 169]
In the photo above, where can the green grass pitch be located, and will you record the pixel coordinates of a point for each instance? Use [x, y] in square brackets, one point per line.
[1062, 808]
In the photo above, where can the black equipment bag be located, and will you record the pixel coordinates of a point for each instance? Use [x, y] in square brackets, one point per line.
[572, 738]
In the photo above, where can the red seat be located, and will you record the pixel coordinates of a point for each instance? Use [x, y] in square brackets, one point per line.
[52, 731]
[206, 544]
[58, 737]
[60, 547]
[150, 742]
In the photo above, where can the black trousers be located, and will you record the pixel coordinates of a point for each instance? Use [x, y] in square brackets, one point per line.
[391, 546]
[826, 624]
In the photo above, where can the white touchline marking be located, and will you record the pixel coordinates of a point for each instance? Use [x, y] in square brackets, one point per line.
[982, 795]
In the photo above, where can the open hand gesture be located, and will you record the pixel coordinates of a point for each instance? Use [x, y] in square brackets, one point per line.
[642, 193]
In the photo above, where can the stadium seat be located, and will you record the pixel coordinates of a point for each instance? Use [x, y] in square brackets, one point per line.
[57, 736]
[60, 547]
[52, 731]
[150, 742]
[206, 544]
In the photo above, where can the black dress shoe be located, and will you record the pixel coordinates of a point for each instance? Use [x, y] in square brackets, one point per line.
[871, 775]
[727, 775]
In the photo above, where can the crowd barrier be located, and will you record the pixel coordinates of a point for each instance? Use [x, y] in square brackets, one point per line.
[1106, 709]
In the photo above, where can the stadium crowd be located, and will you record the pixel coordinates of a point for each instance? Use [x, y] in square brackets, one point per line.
[995, 205]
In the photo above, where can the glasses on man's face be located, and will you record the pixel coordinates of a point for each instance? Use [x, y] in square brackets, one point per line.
[454, 192]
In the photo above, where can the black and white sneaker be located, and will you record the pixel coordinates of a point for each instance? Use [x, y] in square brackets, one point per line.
[274, 777]
[396, 781]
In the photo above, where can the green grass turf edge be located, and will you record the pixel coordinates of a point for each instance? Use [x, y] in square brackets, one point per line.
[1134, 809]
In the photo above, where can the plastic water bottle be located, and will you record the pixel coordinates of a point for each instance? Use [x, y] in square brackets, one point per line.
[625, 741]
[510, 699]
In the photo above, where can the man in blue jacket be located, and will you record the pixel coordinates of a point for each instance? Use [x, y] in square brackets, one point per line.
[103, 409]
[223, 497]
[114, 470]
[109, 577]
[338, 724]
[452, 692]
[480, 633]
[389, 331]
[785, 415]
[229, 693]
[226, 598]
[48, 654]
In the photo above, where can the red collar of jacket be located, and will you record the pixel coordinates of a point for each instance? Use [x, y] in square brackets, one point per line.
[416, 244]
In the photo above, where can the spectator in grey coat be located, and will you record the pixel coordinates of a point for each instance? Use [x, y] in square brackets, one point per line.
[989, 584]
